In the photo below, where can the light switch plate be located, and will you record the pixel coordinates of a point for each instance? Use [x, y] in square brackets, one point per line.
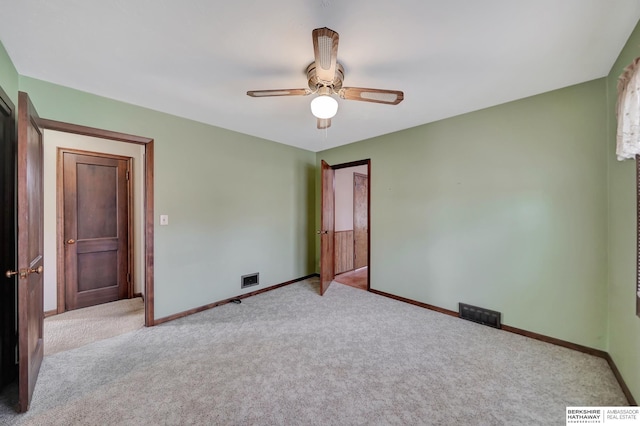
[164, 219]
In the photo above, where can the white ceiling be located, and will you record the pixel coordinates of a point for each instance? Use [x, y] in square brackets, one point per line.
[198, 58]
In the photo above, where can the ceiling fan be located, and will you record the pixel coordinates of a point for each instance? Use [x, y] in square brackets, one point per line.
[325, 76]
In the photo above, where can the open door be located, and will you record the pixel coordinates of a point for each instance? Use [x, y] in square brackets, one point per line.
[327, 272]
[30, 250]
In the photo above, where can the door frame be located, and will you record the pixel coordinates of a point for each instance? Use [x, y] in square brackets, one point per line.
[61, 279]
[364, 162]
[148, 224]
[8, 259]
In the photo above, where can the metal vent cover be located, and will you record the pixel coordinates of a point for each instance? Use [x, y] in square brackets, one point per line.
[480, 315]
[249, 280]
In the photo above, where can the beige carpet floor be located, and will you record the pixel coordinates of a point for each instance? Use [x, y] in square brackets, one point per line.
[80, 327]
[292, 357]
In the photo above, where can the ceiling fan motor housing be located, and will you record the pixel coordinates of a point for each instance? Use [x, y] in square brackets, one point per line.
[315, 83]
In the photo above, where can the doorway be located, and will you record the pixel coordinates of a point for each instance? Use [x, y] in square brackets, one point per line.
[23, 191]
[348, 259]
[351, 226]
[142, 247]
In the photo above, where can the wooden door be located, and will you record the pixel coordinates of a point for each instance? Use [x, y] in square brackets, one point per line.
[30, 250]
[96, 229]
[360, 220]
[8, 285]
[327, 272]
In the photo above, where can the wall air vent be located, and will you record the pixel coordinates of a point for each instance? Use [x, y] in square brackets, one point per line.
[249, 280]
[479, 315]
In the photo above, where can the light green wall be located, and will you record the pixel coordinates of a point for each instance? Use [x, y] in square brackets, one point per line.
[236, 204]
[624, 325]
[8, 75]
[503, 208]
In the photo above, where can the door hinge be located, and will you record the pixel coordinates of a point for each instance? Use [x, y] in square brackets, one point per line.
[128, 277]
[127, 174]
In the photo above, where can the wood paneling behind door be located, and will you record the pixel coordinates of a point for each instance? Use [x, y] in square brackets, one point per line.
[344, 251]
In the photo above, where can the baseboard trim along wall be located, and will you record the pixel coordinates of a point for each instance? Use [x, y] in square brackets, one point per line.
[415, 302]
[537, 336]
[225, 301]
[50, 313]
[623, 385]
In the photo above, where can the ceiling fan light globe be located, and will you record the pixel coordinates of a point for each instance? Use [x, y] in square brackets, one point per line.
[324, 106]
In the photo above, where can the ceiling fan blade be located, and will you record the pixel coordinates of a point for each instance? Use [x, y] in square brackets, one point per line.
[324, 123]
[325, 49]
[278, 92]
[389, 97]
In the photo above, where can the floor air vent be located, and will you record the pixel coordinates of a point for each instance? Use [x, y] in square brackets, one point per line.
[249, 280]
[479, 315]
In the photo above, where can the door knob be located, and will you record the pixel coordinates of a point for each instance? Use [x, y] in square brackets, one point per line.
[23, 273]
[71, 241]
[37, 270]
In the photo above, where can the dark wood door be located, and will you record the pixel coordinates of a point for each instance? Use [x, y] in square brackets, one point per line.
[30, 250]
[327, 272]
[8, 285]
[360, 220]
[96, 229]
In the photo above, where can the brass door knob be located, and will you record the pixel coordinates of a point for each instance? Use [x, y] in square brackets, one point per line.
[71, 241]
[23, 273]
[37, 270]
